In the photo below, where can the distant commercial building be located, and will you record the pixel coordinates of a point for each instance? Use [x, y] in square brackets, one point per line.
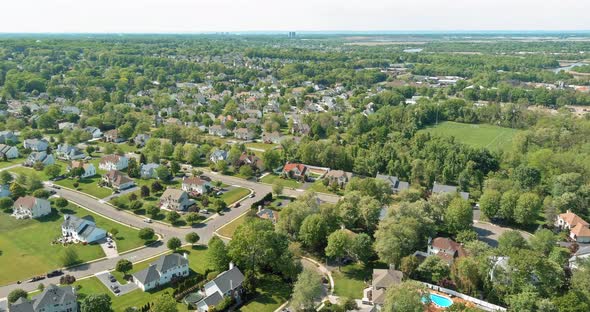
[292, 34]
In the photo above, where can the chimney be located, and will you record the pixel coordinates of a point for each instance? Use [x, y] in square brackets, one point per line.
[185, 255]
[231, 265]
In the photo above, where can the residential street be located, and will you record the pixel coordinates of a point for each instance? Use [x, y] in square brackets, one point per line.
[205, 231]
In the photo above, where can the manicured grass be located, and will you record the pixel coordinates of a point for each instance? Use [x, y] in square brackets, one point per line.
[349, 282]
[88, 186]
[477, 135]
[29, 242]
[11, 162]
[29, 171]
[319, 187]
[229, 229]
[136, 298]
[261, 146]
[271, 178]
[234, 195]
[272, 293]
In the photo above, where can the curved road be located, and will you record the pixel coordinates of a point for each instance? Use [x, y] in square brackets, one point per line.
[205, 231]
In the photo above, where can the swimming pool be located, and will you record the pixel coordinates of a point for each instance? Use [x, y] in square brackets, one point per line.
[441, 301]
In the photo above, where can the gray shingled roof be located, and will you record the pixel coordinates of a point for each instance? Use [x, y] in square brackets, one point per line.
[442, 188]
[229, 280]
[213, 299]
[396, 184]
[148, 275]
[51, 295]
[167, 262]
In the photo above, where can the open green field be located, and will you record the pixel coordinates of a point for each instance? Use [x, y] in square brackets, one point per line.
[261, 146]
[11, 162]
[228, 229]
[29, 242]
[88, 186]
[491, 137]
[234, 195]
[349, 281]
[272, 293]
[271, 178]
[29, 171]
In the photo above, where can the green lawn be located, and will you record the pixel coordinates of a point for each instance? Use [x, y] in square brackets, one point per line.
[228, 229]
[29, 242]
[273, 292]
[261, 146]
[88, 186]
[319, 187]
[234, 195]
[477, 135]
[11, 162]
[136, 298]
[349, 282]
[271, 178]
[28, 171]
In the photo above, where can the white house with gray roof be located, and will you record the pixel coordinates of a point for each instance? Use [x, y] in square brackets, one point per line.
[36, 145]
[51, 299]
[69, 152]
[162, 271]
[81, 229]
[228, 283]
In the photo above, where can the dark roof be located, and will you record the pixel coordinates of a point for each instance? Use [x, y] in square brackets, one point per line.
[442, 188]
[50, 296]
[148, 275]
[213, 299]
[229, 280]
[396, 184]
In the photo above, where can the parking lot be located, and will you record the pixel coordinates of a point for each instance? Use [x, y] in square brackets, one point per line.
[114, 286]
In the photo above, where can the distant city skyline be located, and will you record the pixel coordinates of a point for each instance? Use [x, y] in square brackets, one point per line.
[196, 16]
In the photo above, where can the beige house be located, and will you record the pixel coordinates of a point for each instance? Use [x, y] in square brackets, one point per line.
[30, 207]
[174, 199]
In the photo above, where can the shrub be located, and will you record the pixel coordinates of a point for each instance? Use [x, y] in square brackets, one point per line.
[67, 280]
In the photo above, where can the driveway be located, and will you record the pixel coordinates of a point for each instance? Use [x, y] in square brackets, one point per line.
[111, 252]
[124, 289]
[489, 233]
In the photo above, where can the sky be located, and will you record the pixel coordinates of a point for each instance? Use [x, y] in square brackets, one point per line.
[194, 16]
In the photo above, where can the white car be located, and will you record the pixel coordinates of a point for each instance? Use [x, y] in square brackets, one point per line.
[147, 220]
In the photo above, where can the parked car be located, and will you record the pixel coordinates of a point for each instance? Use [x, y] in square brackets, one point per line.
[56, 187]
[54, 273]
[116, 290]
[147, 220]
[112, 279]
[204, 211]
[252, 195]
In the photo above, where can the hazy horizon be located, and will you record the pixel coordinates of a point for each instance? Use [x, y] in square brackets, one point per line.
[193, 17]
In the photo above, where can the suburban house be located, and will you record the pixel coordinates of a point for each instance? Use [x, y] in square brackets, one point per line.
[51, 299]
[272, 137]
[446, 249]
[162, 271]
[36, 145]
[81, 229]
[113, 136]
[8, 137]
[40, 157]
[66, 125]
[68, 152]
[89, 169]
[30, 207]
[8, 151]
[244, 134]
[226, 284]
[195, 185]
[174, 199]
[252, 160]
[578, 227]
[295, 171]
[117, 180]
[338, 177]
[94, 132]
[218, 130]
[394, 182]
[141, 139]
[218, 155]
[113, 162]
[382, 280]
[441, 188]
[148, 171]
[268, 214]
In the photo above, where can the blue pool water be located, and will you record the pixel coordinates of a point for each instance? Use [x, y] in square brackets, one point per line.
[441, 301]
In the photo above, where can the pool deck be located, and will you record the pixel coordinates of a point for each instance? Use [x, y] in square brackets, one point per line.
[434, 308]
